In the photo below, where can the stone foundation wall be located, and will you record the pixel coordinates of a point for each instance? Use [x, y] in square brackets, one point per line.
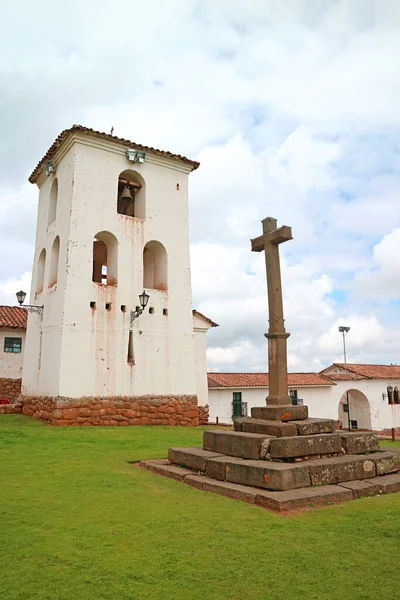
[388, 433]
[143, 410]
[10, 389]
[9, 409]
[203, 414]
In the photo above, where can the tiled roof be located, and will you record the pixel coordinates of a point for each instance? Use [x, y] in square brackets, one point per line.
[361, 371]
[13, 316]
[241, 380]
[105, 136]
[199, 314]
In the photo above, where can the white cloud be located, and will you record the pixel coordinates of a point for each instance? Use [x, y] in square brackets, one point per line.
[292, 109]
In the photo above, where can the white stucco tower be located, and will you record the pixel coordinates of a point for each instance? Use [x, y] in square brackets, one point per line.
[112, 221]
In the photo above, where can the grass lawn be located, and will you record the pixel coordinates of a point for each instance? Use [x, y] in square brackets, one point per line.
[80, 523]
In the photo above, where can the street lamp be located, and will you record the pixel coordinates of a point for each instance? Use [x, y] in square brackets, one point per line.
[143, 299]
[32, 308]
[343, 330]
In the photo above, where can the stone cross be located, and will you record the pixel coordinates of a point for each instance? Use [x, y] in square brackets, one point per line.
[277, 336]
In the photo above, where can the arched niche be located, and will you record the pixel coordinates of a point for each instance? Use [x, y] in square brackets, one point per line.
[105, 258]
[155, 266]
[360, 410]
[131, 194]
[54, 260]
[41, 266]
[53, 202]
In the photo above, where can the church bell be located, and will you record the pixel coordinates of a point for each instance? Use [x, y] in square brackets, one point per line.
[126, 194]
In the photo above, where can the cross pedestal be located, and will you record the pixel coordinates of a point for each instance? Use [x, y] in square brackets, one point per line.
[277, 353]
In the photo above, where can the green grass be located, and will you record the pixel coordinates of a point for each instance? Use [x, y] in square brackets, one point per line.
[78, 522]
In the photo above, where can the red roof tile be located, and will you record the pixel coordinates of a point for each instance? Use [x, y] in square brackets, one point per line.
[199, 314]
[105, 136]
[363, 371]
[13, 316]
[240, 380]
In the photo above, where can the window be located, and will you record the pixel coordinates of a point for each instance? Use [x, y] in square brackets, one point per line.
[105, 258]
[130, 194]
[55, 254]
[155, 268]
[40, 271]
[53, 202]
[13, 345]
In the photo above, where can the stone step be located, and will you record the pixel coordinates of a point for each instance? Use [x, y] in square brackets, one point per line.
[261, 426]
[356, 442]
[305, 445]
[263, 474]
[280, 413]
[237, 443]
[284, 476]
[315, 426]
[193, 458]
[387, 483]
[362, 489]
[343, 468]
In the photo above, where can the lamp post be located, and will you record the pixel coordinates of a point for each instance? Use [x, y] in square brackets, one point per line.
[343, 330]
[143, 299]
[32, 308]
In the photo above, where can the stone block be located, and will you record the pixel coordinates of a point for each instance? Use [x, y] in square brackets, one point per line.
[387, 462]
[163, 467]
[195, 481]
[216, 467]
[305, 445]
[303, 498]
[237, 443]
[268, 474]
[315, 426]
[363, 488]
[274, 428]
[357, 442]
[387, 483]
[193, 458]
[342, 468]
[231, 490]
[280, 413]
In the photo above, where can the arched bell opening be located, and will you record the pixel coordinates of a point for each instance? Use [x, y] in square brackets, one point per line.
[131, 194]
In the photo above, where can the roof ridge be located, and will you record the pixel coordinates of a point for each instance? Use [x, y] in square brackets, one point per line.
[106, 136]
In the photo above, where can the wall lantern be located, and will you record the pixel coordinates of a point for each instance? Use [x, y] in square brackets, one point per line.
[49, 167]
[143, 299]
[34, 309]
[136, 155]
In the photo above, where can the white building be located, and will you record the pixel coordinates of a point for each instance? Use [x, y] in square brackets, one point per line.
[112, 221]
[12, 341]
[373, 393]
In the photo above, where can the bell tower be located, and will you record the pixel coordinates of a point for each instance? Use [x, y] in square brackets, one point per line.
[112, 224]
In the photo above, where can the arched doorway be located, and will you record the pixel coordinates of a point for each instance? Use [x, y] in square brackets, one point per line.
[360, 410]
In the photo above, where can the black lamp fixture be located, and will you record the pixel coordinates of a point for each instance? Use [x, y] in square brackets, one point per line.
[32, 308]
[143, 299]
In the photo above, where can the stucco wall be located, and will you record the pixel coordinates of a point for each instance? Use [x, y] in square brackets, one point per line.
[200, 332]
[322, 402]
[76, 351]
[10, 362]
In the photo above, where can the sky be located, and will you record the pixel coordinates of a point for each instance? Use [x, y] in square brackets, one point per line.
[292, 109]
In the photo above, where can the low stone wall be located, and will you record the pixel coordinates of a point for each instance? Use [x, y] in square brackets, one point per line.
[203, 414]
[387, 433]
[10, 389]
[142, 410]
[9, 409]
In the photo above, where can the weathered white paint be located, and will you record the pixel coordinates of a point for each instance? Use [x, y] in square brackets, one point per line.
[200, 328]
[76, 351]
[10, 362]
[322, 401]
